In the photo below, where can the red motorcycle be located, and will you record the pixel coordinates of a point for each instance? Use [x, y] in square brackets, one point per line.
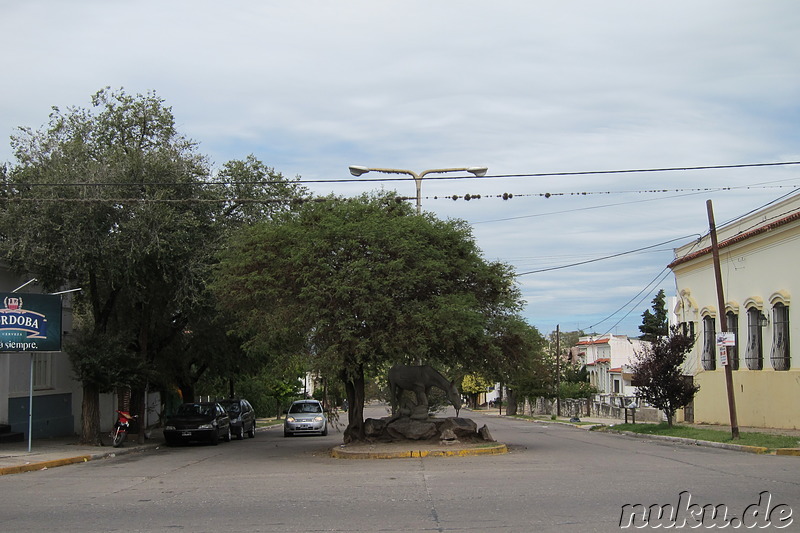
[120, 431]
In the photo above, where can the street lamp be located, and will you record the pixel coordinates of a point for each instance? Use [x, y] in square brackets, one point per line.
[356, 171]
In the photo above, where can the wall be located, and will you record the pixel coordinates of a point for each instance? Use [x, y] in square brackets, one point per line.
[52, 415]
[764, 398]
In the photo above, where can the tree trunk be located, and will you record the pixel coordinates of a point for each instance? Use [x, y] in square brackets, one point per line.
[355, 414]
[511, 400]
[90, 416]
[187, 392]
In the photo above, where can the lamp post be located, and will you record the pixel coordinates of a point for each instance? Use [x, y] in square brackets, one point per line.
[356, 170]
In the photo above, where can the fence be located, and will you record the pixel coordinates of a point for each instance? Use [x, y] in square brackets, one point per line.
[600, 405]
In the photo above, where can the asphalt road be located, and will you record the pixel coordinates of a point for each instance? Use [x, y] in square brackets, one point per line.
[556, 478]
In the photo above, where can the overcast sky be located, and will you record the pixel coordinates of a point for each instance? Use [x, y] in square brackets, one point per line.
[523, 87]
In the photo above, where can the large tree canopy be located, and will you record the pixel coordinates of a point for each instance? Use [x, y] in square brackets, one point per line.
[350, 284]
[112, 199]
[105, 199]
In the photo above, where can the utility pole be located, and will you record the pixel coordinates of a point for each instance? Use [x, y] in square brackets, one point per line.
[723, 323]
[558, 370]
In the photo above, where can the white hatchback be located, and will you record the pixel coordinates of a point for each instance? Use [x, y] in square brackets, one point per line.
[305, 416]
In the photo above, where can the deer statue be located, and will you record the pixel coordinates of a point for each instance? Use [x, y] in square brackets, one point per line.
[420, 379]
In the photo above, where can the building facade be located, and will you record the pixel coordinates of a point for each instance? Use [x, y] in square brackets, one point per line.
[608, 359]
[758, 258]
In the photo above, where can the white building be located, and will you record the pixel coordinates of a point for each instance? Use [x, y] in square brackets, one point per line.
[608, 359]
[758, 255]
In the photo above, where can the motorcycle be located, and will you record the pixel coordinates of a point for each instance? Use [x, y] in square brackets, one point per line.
[120, 431]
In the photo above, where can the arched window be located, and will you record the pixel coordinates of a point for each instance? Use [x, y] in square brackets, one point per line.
[732, 323]
[754, 354]
[709, 343]
[779, 356]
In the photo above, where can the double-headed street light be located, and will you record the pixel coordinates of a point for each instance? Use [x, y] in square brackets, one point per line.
[356, 170]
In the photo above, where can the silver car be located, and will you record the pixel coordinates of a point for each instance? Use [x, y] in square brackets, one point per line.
[305, 416]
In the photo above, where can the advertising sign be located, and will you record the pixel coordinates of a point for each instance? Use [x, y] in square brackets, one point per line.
[725, 340]
[30, 322]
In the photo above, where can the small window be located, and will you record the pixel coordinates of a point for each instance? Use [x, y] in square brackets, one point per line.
[732, 323]
[42, 371]
[709, 344]
[754, 354]
[779, 356]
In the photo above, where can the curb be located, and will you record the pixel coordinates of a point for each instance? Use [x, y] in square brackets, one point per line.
[695, 442]
[682, 440]
[788, 451]
[339, 453]
[43, 465]
[52, 463]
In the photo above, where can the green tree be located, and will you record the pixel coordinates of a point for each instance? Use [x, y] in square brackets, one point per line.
[353, 284]
[655, 323]
[520, 365]
[114, 200]
[87, 208]
[473, 385]
[658, 375]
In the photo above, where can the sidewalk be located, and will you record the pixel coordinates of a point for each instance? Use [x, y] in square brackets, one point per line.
[49, 453]
[592, 422]
[614, 421]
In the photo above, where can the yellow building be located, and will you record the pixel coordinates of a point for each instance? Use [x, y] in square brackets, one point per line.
[759, 257]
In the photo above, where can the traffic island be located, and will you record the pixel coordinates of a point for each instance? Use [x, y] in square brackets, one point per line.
[408, 450]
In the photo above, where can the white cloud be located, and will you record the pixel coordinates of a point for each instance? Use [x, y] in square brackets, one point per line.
[520, 87]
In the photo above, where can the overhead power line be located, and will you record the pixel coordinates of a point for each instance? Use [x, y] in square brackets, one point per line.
[446, 177]
[595, 260]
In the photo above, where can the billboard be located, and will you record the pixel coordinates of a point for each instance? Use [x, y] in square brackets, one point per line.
[30, 322]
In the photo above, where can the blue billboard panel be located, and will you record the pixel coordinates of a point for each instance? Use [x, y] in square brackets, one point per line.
[30, 322]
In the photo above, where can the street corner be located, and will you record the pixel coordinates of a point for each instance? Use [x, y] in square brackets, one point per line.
[408, 451]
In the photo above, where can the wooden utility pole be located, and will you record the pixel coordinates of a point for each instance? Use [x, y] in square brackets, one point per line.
[723, 323]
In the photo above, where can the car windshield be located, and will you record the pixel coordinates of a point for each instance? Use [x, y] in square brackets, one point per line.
[231, 407]
[196, 409]
[305, 408]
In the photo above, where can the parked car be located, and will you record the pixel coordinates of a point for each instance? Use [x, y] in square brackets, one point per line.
[198, 422]
[242, 415]
[305, 416]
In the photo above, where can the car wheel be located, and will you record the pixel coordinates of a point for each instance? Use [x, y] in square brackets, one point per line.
[215, 439]
[252, 432]
[324, 431]
[240, 433]
[228, 435]
[286, 433]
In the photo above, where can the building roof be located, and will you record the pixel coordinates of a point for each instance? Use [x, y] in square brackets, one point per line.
[737, 238]
[594, 341]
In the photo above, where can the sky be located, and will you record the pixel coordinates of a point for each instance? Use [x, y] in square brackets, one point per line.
[544, 94]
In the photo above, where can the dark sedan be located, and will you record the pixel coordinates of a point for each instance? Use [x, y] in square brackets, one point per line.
[198, 422]
[242, 415]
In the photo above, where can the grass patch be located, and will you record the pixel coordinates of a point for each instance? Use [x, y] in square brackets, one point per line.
[765, 440]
